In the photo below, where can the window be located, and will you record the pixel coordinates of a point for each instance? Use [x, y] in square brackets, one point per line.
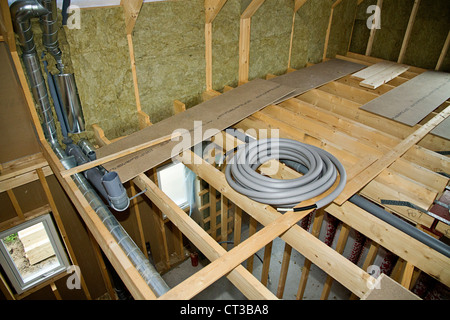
[32, 252]
[172, 181]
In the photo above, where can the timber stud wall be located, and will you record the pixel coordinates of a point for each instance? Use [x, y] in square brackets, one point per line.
[332, 120]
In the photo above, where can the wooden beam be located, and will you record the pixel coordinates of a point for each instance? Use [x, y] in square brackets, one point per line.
[443, 52]
[116, 155]
[244, 40]
[208, 55]
[388, 158]
[131, 9]
[409, 28]
[212, 9]
[240, 277]
[298, 4]
[327, 36]
[284, 270]
[251, 9]
[244, 50]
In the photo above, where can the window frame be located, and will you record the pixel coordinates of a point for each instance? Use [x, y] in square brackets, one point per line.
[10, 267]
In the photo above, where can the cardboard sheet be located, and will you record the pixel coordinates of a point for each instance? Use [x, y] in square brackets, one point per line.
[412, 101]
[315, 76]
[196, 124]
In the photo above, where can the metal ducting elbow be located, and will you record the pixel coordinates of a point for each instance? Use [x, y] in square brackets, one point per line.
[49, 26]
[21, 13]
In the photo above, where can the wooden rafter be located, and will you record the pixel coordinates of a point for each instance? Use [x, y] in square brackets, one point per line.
[330, 22]
[131, 9]
[244, 39]
[443, 52]
[212, 9]
[297, 5]
[409, 28]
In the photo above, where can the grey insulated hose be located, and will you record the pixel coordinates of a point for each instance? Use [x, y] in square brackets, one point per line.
[322, 170]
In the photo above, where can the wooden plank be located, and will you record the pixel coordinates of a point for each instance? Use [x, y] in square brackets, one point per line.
[384, 76]
[208, 55]
[409, 28]
[244, 50]
[203, 120]
[413, 100]
[373, 69]
[388, 158]
[251, 9]
[212, 9]
[298, 4]
[15, 204]
[114, 156]
[284, 270]
[131, 9]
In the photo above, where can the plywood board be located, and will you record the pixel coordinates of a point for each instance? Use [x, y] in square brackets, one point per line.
[17, 135]
[412, 101]
[315, 76]
[197, 124]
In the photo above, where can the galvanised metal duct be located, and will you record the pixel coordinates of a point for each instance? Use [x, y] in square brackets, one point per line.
[21, 12]
[137, 258]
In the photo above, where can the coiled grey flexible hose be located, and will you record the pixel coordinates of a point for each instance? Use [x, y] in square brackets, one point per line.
[322, 173]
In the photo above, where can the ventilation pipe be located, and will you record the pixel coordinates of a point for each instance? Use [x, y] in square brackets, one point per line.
[137, 258]
[21, 12]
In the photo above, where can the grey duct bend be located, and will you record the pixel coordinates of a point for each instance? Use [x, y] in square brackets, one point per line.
[21, 13]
